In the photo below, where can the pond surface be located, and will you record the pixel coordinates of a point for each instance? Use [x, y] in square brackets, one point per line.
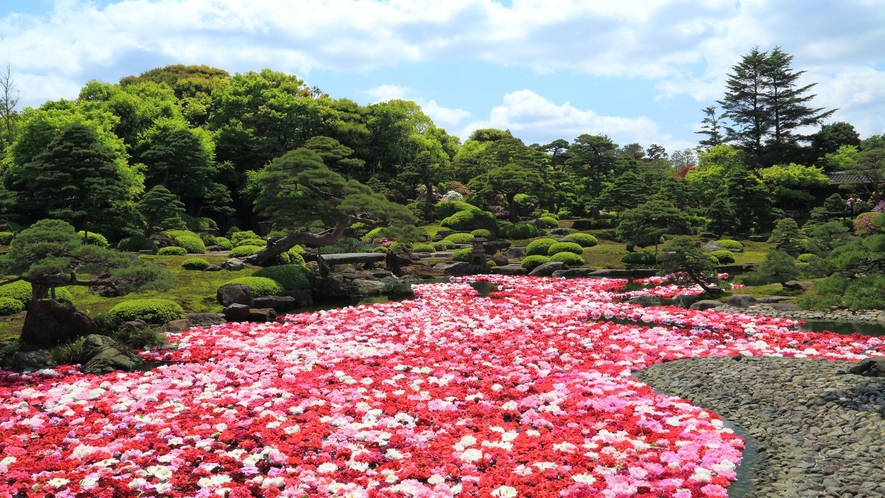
[870, 329]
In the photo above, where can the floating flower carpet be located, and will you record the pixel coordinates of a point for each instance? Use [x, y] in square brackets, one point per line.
[527, 392]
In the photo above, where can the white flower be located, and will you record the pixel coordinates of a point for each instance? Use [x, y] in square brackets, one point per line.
[584, 478]
[57, 482]
[510, 405]
[393, 454]
[137, 483]
[327, 468]
[701, 475]
[436, 479]
[505, 492]
[471, 455]
[7, 461]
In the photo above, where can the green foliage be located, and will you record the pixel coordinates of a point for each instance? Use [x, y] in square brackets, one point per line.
[483, 233]
[444, 209]
[469, 219]
[787, 238]
[864, 293]
[208, 239]
[682, 257]
[161, 210]
[539, 246]
[224, 243]
[423, 248]
[571, 247]
[723, 256]
[195, 264]
[153, 311]
[191, 244]
[251, 242]
[805, 257]
[243, 251]
[200, 224]
[639, 258]
[570, 259]
[462, 254]
[239, 236]
[824, 238]
[11, 306]
[548, 222]
[136, 243]
[534, 261]
[443, 246]
[458, 238]
[518, 231]
[290, 277]
[6, 238]
[731, 245]
[260, 286]
[645, 225]
[94, 239]
[779, 266]
[172, 251]
[583, 239]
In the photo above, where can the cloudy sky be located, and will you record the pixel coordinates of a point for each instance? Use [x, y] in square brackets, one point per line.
[635, 70]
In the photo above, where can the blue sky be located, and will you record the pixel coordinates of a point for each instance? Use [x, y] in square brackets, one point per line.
[635, 70]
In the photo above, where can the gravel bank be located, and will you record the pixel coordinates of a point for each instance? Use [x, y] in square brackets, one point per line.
[819, 431]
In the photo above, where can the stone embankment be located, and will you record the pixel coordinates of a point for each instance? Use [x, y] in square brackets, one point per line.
[818, 430]
[789, 310]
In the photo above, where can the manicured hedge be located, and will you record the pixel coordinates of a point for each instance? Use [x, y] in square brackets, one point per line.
[724, 256]
[570, 259]
[532, 262]
[260, 286]
[10, 306]
[137, 243]
[290, 277]
[195, 264]
[21, 291]
[584, 239]
[172, 251]
[731, 245]
[224, 243]
[94, 239]
[518, 231]
[639, 258]
[153, 311]
[462, 254]
[192, 244]
[482, 232]
[565, 247]
[458, 238]
[539, 247]
[243, 251]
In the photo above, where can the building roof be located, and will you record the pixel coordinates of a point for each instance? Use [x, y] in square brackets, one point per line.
[840, 177]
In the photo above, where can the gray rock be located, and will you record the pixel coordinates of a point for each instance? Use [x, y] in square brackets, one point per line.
[712, 245]
[24, 361]
[515, 252]
[742, 301]
[369, 287]
[685, 300]
[279, 303]
[302, 297]
[454, 268]
[561, 231]
[261, 315]
[870, 367]
[234, 294]
[102, 354]
[706, 304]
[234, 264]
[213, 268]
[236, 312]
[547, 269]
[177, 326]
[645, 300]
[509, 270]
[205, 319]
[49, 323]
[797, 285]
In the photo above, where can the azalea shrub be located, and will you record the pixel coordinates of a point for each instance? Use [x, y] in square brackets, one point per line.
[21, 291]
[458, 238]
[94, 239]
[462, 255]
[730, 244]
[154, 311]
[525, 393]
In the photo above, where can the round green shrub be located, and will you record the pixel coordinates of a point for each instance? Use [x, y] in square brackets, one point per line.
[137, 243]
[532, 262]
[172, 251]
[238, 237]
[462, 255]
[571, 247]
[569, 259]
[731, 245]
[584, 239]
[723, 256]
[518, 231]
[243, 251]
[297, 249]
[198, 224]
[260, 286]
[290, 277]
[199, 264]
[192, 244]
[6, 238]
[208, 239]
[468, 219]
[482, 232]
[153, 311]
[295, 257]
[443, 246]
[21, 291]
[251, 242]
[539, 246]
[423, 248]
[224, 243]
[638, 258]
[805, 257]
[94, 239]
[10, 306]
[548, 222]
[444, 209]
[458, 238]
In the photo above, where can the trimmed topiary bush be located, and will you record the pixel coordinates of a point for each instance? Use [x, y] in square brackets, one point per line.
[569, 259]
[290, 277]
[94, 239]
[458, 238]
[21, 291]
[251, 242]
[208, 239]
[137, 243]
[6, 238]
[462, 255]
[805, 257]
[565, 247]
[518, 231]
[224, 243]
[444, 209]
[172, 251]
[195, 264]
[237, 237]
[192, 244]
[260, 286]
[583, 239]
[539, 247]
[10, 306]
[731, 245]
[532, 262]
[723, 256]
[548, 222]
[423, 248]
[469, 219]
[443, 246]
[482, 232]
[639, 258]
[153, 311]
[243, 251]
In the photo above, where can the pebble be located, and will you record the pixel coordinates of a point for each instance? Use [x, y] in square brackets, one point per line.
[818, 431]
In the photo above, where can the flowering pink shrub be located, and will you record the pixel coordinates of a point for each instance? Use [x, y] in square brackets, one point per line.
[524, 393]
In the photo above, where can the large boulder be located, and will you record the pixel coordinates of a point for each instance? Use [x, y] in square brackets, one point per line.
[515, 252]
[279, 303]
[455, 268]
[509, 270]
[742, 301]
[261, 315]
[205, 319]
[706, 304]
[50, 322]
[236, 312]
[796, 285]
[24, 361]
[233, 264]
[685, 300]
[870, 367]
[712, 245]
[547, 269]
[234, 294]
[102, 354]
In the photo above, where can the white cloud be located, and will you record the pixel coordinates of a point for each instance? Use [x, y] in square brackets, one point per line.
[535, 119]
[441, 116]
[383, 93]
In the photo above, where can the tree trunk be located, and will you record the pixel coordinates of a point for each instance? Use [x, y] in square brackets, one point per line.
[514, 213]
[268, 255]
